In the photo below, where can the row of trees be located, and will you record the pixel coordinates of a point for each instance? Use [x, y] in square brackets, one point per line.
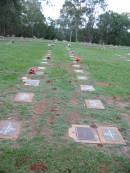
[24, 18]
[78, 21]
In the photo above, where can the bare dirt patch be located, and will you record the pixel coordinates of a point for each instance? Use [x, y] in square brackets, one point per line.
[49, 81]
[31, 134]
[47, 132]
[73, 101]
[104, 84]
[102, 169]
[38, 110]
[72, 118]
[40, 107]
[21, 161]
[113, 99]
[36, 167]
[125, 117]
[51, 120]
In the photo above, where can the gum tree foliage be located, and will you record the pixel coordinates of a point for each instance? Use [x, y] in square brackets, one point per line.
[22, 18]
[77, 14]
[113, 28]
[10, 11]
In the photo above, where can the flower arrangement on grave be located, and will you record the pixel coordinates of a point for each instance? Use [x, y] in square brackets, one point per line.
[32, 70]
[77, 59]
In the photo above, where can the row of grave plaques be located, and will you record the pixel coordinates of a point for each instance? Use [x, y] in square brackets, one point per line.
[10, 129]
[87, 134]
[99, 135]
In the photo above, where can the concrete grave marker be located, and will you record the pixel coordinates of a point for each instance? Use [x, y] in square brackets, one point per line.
[82, 78]
[79, 71]
[9, 129]
[41, 68]
[94, 104]
[74, 62]
[30, 82]
[110, 135]
[84, 134]
[76, 65]
[24, 97]
[39, 73]
[44, 62]
[87, 88]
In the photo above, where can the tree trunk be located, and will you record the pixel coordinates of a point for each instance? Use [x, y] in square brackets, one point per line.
[76, 35]
[71, 35]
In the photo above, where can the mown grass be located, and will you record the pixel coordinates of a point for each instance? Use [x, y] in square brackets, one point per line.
[55, 149]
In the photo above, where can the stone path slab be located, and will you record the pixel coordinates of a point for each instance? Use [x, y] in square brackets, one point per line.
[30, 82]
[94, 104]
[84, 134]
[87, 88]
[24, 97]
[9, 129]
[110, 135]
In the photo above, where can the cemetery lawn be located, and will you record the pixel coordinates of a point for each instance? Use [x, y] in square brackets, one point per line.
[43, 144]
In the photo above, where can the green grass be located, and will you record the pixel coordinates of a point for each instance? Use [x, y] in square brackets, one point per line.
[54, 148]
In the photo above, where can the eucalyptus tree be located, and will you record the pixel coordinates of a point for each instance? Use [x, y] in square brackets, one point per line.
[71, 16]
[78, 14]
[10, 11]
[93, 7]
[113, 28]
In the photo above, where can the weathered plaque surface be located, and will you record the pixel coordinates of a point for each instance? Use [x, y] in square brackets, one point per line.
[79, 71]
[9, 129]
[102, 134]
[39, 73]
[87, 88]
[110, 135]
[94, 104]
[24, 97]
[30, 82]
[83, 134]
[82, 78]
[44, 62]
[41, 68]
[76, 65]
